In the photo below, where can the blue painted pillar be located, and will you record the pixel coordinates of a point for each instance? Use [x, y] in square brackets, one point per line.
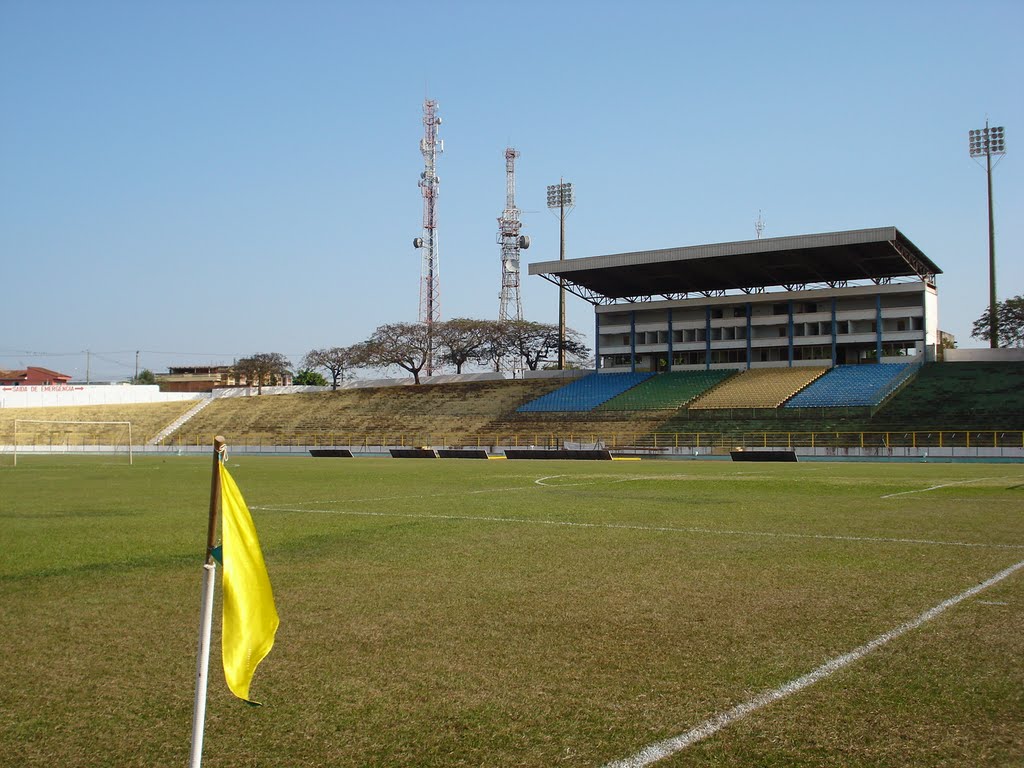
[670, 341]
[789, 325]
[878, 328]
[835, 330]
[749, 348]
[707, 337]
[632, 341]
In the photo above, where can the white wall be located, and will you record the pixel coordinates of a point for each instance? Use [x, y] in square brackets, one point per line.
[984, 355]
[88, 394]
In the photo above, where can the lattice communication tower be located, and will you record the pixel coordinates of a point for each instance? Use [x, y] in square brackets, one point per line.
[510, 306]
[430, 282]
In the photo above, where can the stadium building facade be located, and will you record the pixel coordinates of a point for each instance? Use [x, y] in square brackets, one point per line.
[838, 298]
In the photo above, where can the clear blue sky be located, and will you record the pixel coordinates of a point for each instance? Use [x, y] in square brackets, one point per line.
[207, 180]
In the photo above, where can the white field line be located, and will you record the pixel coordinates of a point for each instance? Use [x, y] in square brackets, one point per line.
[944, 485]
[659, 750]
[634, 527]
[406, 497]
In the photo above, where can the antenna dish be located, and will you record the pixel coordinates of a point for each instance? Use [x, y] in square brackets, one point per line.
[417, 242]
[524, 241]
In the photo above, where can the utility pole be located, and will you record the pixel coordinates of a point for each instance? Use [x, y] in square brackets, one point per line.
[136, 365]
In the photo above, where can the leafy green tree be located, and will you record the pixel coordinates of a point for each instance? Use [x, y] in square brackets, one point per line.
[146, 376]
[1010, 314]
[308, 378]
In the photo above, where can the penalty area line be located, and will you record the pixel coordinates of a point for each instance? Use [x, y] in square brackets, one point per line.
[659, 750]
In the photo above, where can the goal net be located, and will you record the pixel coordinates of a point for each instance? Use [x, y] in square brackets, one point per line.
[36, 436]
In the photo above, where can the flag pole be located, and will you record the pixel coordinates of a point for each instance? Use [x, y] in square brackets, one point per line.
[206, 612]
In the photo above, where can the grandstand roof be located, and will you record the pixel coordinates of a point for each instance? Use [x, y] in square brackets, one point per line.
[833, 258]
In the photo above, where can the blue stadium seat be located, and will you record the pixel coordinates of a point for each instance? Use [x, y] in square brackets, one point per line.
[853, 385]
[585, 394]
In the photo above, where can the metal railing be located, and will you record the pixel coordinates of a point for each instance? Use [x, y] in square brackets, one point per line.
[662, 441]
[646, 440]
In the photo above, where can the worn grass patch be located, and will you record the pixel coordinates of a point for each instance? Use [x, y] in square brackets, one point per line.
[439, 613]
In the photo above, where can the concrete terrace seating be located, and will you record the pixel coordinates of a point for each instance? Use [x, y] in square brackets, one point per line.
[553, 428]
[758, 388]
[585, 394]
[853, 385]
[378, 414]
[147, 419]
[959, 396]
[666, 391]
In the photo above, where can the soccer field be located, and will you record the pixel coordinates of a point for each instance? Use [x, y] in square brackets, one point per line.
[523, 613]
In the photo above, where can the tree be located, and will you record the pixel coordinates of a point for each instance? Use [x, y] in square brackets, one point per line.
[402, 345]
[462, 340]
[337, 361]
[1010, 314]
[308, 378]
[266, 367]
[536, 343]
[145, 377]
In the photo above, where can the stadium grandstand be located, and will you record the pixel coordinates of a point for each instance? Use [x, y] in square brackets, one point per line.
[860, 296]
[818, 342]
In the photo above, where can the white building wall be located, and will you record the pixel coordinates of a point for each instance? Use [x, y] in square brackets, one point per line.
[89, 394]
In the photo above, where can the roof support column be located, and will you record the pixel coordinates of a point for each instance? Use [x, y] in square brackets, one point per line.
[789, 328]
[707, 337]
[749, 349]
[632, 341]
[834, 331]
[597, 340]
[669, 341]
[878, 327]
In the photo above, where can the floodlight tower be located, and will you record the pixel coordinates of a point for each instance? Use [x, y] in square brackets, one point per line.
[561, 196]
[510, 305]
[985, 142]
[430, 285]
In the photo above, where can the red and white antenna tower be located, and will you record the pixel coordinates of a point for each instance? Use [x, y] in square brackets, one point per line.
[510, 305]
[430, 283]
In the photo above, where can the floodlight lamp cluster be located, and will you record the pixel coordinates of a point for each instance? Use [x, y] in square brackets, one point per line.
[561, 195]
[987, 141]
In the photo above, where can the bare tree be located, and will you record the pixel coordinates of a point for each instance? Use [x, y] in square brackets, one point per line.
[263, 368]
[337, 361]
[537, 343]
[402, 345]
[462, 340]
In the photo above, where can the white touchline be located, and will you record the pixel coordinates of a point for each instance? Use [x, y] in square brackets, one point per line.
[632, 527]
[659, 750]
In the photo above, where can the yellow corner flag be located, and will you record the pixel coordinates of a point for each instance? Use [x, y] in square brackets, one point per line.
[250, 618]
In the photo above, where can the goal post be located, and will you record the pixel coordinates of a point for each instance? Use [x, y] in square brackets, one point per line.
[104, 435]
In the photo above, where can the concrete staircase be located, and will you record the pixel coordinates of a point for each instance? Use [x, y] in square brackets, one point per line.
[175, 425]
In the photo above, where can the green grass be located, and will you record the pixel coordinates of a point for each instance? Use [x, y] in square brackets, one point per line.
[438, 613]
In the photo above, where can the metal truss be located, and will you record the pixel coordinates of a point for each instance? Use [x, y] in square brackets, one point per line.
[914, 262]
